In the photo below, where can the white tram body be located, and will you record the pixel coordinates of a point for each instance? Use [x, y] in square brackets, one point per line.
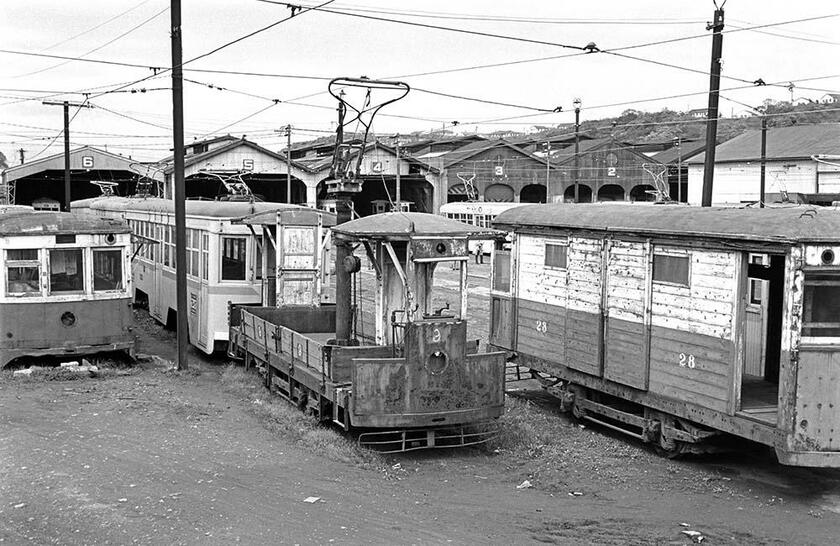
[223, 258]
[66, 285]
[476, 213]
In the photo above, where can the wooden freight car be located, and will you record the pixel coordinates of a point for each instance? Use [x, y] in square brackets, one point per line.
[676, 324]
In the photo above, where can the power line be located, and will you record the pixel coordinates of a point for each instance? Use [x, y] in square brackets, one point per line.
[45, 148]
[109, 42]
[100, 25]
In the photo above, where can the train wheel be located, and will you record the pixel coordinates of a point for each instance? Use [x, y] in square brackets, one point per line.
[578, 395]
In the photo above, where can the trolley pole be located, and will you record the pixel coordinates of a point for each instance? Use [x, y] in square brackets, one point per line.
[289, 163]
[66, 105]
[763, 160]
[22, 153]
[179, 189]
[712, 115]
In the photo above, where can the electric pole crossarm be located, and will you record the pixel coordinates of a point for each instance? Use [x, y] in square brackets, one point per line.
[712, 115]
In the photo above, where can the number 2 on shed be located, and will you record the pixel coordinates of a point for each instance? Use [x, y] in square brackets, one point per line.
[687, 360]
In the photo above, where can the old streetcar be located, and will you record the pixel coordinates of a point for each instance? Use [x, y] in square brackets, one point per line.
[676, 324]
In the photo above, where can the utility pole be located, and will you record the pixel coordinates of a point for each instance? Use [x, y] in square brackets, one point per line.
[547, 170]
[21, 152]
[397, 206]
[714, 97]
[289, 163]
[577, 104]
[179, 189]
[763, 159]
[66, 105]
[679, 169]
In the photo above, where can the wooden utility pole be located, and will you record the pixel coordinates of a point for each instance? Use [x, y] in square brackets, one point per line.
[398, 207]
[289, 163]
[763, 160]
[66, 105]
[179, 188]
[22, 153]
[714, 97]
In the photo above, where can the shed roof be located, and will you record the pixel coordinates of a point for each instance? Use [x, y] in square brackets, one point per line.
[772, 224]
[103, 160]
[475, 148]
[405, 225]
[204, 209]
[783, 143]
[29, 223]
[686, 151]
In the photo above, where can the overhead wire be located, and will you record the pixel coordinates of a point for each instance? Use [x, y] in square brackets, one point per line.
[100, 25]
[45, 148]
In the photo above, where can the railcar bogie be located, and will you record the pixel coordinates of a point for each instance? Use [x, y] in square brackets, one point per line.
[705, 321]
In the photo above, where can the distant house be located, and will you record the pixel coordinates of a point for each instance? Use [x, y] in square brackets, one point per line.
[830, 98]
[800, 159]
[699, 113]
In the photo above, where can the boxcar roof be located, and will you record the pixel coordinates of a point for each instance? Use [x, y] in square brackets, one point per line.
[20, 224]
[302, 216]
[206, 209]
[771, 224]
[404, 225]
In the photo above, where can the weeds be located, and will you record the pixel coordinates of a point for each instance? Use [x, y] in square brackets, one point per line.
[284, 419]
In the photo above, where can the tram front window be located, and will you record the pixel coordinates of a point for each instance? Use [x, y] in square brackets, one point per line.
[67, 271]
[23, 272]
[107, 270]
[233, 258]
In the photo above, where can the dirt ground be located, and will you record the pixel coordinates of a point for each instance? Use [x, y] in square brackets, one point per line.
[144, 455]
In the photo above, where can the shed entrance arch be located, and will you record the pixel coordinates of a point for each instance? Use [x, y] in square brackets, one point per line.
[533, 193]
[499, 193]
[584, 192]
[643, 192]
[611, 192]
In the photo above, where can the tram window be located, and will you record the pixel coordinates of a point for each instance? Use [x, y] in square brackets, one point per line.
[107, 270]
[23, 272]
[821, 306]
[233, 258]
[67, 270]
[501, 271]
[556, 255]
[671, 269]
[205, 255]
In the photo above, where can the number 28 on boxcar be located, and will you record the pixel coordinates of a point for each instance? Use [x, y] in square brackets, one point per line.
[676, 324]
[65, 285]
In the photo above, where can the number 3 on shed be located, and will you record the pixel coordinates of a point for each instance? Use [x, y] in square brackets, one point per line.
[687, 361]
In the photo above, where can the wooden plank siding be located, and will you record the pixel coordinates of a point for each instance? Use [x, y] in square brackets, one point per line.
[671, 340]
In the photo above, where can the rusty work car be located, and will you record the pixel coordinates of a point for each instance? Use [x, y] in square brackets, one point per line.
[676, 324]
[414, 381]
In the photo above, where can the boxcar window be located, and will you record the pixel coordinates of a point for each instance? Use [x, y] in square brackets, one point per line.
[821, 306]
[671, 269]
[233, 258]
[107, 270]
[67, 272]
[23, 272]
[556, 255]
[501, 271]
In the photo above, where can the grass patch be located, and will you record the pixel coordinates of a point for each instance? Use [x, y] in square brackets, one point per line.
[285, 420]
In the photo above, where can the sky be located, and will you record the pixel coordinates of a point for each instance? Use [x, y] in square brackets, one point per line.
[282, 73]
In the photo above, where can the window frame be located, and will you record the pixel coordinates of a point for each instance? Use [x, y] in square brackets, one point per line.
[82, 269]
[120, 261]
[36, 262]
[671, 254]
[805, 323]
[558, 244]
[222, 240]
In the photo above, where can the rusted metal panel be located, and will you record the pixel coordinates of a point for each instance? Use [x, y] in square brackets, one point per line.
[436, 382]
[817, 425]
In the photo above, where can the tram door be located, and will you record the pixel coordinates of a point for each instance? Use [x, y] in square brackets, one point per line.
[756, 317]
[625, 303]
[298, 264]
[157, 307]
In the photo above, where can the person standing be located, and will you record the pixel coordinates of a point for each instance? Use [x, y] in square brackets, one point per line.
[479, 252]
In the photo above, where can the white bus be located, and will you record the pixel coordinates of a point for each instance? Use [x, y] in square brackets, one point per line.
[223, 258]
[476, 213]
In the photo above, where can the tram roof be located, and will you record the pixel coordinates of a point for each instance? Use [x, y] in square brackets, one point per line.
[301, 216]
[34, 223]
[770, 224]
[405, 225]
[206, 209]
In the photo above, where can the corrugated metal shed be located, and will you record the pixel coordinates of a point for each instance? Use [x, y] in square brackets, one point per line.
[783, 143]
[23, 223]
[772, 224]
[403, 225]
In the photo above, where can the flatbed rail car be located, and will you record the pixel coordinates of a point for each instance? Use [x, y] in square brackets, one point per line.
[66, 285]
[678, 324]
[419, 383]
[223, 258]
